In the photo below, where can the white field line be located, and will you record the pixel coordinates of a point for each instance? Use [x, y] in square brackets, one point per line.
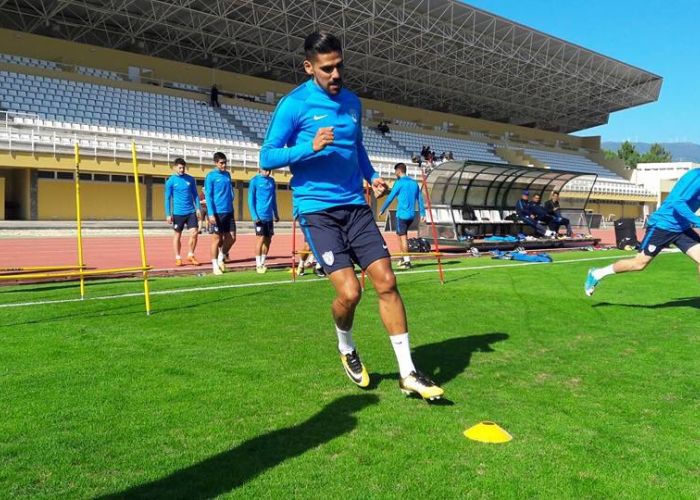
[289, 282]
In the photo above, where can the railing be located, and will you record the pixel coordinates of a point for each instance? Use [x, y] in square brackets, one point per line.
[20, 132]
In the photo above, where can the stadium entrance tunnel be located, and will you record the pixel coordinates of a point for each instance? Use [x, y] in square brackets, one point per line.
[471, 202]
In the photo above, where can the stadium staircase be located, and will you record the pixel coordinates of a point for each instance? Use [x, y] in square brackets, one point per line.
[237, 124]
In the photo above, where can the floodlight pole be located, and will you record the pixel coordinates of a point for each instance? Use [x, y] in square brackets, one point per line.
[78, 220]
[144, 265]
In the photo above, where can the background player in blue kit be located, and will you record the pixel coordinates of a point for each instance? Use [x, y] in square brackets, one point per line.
[182, 209]
[317, 131]
[219, 194]
[262, 203]
[408, 193]
[672, 223]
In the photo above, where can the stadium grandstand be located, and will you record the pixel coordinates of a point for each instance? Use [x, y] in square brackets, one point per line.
[443, 74]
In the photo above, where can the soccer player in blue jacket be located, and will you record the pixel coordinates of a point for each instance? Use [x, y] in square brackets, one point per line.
[408, 193]
[218, 191]
[262, 203]
[182, 209]
[672, 223]
[317, 131]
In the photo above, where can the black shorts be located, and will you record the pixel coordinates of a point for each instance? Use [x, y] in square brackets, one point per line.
[402, 225]
[264, 228]
[224, 223]
[189, 220]
[657, 239]
[341, 236]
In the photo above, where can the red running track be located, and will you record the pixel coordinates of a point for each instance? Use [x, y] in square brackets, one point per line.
[123, 251]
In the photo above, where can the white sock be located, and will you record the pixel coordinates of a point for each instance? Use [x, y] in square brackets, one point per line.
[262, 260]
[258, 261]
[221, 257]
[406, 258]
[602, 272]
[190, 254]
[402, 349]
[178, 256]
[214, 263]
[345, 343]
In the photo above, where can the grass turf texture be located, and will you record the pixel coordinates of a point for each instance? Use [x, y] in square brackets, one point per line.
[240, 391]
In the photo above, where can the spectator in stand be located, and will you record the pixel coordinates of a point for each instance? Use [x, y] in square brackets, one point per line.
[450, 156]
[552, 208]
[214, 97]
[383, 127]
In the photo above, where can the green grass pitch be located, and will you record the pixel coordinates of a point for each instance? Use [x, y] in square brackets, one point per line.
[239, 392]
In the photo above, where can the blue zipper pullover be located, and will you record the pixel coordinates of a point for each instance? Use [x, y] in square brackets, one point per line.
[677, 212]
[407, 191]
[328, 178]
[218, 191]
[262, 200]
[182, 190]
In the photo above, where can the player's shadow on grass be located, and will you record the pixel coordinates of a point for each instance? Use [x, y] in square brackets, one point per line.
[692, 302]
[226, 471]
[444, 361]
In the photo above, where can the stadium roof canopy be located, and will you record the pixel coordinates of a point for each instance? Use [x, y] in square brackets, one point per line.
[433, 54]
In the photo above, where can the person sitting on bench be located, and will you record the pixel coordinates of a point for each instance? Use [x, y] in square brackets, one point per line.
[552, 208]
[524, 208]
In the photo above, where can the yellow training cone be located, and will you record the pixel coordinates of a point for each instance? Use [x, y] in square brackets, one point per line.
[487, 432]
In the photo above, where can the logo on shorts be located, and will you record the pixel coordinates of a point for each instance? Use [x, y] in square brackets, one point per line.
[328, 258]
[384, 246]
[651, 248]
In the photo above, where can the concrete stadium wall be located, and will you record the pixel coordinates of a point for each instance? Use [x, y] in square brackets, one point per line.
[98, 200]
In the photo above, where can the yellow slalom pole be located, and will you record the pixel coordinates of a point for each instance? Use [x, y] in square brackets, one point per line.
[78, 220]
[146, 291]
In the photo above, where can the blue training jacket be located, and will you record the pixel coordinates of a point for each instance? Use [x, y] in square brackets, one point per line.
[408, 192]
[218, 191]
[182, 191]
[677, 212]
[328, 178]
[262, 199]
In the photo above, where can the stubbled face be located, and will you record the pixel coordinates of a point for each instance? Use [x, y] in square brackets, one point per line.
[536, 198]
[179, 169]
[327, 71]
[221, 165]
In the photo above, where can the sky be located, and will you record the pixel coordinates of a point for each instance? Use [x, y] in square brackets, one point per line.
[662, 37]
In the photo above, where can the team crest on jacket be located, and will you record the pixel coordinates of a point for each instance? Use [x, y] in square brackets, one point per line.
[328, 258]
[353, 115]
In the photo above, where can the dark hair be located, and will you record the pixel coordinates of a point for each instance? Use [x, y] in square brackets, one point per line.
[218, 156]
[321, 43]
[401, 167]
[555, 192]
[180, 161]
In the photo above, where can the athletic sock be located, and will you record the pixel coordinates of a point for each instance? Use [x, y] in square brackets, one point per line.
[345, 343]
[602, 272]
[406, 258]
[221, 257]
[262, 259]
[214, 263]
[190, 254]
[402, 349]
[178, 257]
[258, 261]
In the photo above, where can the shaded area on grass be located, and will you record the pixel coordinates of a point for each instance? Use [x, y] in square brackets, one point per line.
[693, 302]
[444, 361]
[231, 469]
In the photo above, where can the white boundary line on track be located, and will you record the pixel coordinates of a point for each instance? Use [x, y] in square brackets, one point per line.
[288, 282]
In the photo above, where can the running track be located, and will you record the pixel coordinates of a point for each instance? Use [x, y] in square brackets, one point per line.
[104, 252]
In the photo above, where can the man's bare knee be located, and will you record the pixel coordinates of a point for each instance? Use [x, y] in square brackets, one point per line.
[350, 295]
[385, 283]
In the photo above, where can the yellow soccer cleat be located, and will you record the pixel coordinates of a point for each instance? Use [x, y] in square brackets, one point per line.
[417, 383]
[354, 369]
